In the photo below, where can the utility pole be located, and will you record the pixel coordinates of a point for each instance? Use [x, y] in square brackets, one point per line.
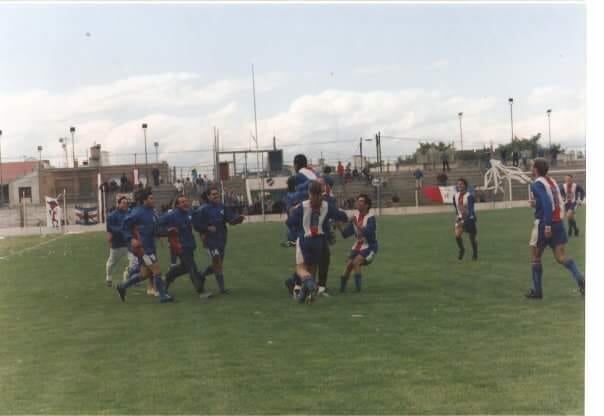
[146, 157]
[256, 137]
[361, 151]
[460, 114]
[72, 131]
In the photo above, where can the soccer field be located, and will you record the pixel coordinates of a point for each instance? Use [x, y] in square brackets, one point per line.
[428, 334]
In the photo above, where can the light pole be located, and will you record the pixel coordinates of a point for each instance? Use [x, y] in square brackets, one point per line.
[72, 131]
[156, 144]
[63, 141]
[511, 101]
[146, 158]
[40, 156]
[256, 138]
[460, 114]
[549, 127]
[361, 152]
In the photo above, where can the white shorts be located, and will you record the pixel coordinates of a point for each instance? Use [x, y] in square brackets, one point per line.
[534, 234]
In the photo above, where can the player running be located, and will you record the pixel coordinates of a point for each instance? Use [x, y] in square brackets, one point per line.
[210, 221]
[463, 201]
[142, 224]
[309, 218]
[118, 241]
[548, 229]
[364, 227]
[573, 195]
[182, 242]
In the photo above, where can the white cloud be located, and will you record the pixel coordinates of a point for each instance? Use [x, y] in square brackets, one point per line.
[181, 111]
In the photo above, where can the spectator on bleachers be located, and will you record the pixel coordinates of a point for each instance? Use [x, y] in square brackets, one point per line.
[340, 171]
[444, 157]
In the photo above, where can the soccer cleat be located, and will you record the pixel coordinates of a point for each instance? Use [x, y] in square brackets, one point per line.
[582, 287]
[205, 295]
[109, 283]
[297, 292]
[531, 294]
[323, 292]
[310, 297]
[287, 244]
[121, 292]
[461, 254]
[166, 299]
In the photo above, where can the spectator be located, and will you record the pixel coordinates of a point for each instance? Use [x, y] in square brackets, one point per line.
[194, 174]
[419, 175]
[155, 174]
[179, 186]
[188, 187]
[123, 183]
[515, 158]
[340, 171]
[355, 173]
[504, 155]
[444, 157]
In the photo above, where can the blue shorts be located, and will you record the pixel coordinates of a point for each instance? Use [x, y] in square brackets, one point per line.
[309, 251]
[367, 254]
[539, 240]
[215, 251]
[570, 206]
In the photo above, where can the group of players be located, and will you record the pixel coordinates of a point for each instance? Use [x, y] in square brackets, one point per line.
[312, 219]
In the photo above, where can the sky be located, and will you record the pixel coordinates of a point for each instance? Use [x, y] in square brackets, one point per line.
[325, 76]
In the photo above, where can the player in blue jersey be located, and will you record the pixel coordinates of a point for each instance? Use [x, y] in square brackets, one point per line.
[309, 218]
[363, 227]
[304, 174]
[117, 240]
[548, 229]
[573, 195]
[292, 198]
[182, 242]
[463, 201]
[142, 223]
[211, 222]
[327, 182]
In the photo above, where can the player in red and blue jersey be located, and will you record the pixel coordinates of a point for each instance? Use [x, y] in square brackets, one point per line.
[573, 195]
[142, 224]
[310, 218]
[548, 229]
[363, 227]
[182, 242]
[211, 222]
[463, 201]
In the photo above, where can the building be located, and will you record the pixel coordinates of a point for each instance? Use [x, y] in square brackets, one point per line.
[19, 180]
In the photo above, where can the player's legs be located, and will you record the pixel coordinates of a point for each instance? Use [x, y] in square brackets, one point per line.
[115, 254]
[324, 270]
[459, 240]
[561, 258]
[357, 264]
[347, 270]
[157, 279]
[536, 244]
[572, 223]
[306, 272]
[132, 266]
[217, 256]
[470, 228]
[537, 273]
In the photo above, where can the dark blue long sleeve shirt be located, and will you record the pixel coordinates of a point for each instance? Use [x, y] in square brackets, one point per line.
[182, 221]
[115, 226]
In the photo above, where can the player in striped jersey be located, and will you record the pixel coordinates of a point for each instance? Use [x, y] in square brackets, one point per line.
[363, 226]
[573, 195]
[309, 218]
[463, 201]
[548, 229]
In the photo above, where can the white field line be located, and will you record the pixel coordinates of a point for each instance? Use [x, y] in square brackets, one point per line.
[30, 248]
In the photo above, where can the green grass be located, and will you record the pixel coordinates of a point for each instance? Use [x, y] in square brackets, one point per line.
[435, 335]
